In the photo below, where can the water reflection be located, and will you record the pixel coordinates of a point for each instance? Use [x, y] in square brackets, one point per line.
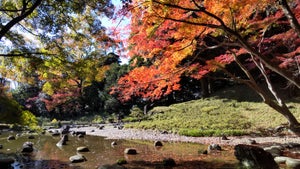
[47, 155]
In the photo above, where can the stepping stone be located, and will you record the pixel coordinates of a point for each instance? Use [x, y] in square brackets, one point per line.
[131, 151]
[82, 149]
[77, 158]
[158, 143]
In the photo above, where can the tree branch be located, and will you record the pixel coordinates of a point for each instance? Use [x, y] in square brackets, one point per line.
[27, 55]
[291, 17]
[286, 74]
[19, 18]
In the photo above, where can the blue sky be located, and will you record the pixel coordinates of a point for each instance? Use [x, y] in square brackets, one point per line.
[120, 22]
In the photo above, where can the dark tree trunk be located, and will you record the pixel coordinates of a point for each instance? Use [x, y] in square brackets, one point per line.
[205, 87]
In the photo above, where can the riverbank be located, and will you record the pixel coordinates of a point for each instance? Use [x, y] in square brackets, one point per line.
[110, 132]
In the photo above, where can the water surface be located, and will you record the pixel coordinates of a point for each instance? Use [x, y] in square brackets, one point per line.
[47, 155]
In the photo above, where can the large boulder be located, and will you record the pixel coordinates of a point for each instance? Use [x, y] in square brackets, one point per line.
[254, 157]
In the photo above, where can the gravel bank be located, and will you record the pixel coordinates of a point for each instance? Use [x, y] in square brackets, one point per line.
[113, 133]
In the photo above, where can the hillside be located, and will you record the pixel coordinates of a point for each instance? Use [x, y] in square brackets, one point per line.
[234, 111]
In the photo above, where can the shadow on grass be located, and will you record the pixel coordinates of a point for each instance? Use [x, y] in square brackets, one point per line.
[239, 93]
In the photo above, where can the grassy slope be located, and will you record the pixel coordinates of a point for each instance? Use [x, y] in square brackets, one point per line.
[234, 111]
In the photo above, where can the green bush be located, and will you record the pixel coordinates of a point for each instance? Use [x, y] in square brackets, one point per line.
[202, 133]
[136, 115]
[97, 119]
[28, 119]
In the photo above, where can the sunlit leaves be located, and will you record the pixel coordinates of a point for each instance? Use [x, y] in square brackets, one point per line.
[171, 34]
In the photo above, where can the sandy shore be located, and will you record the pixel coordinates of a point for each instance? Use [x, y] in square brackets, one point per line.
[113, 133]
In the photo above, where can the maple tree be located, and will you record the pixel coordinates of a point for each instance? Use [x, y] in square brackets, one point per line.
[255, 35]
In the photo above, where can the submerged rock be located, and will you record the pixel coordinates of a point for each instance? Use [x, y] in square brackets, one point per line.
[113, 166]
[31, 137]
[11, 137]
[169, 162]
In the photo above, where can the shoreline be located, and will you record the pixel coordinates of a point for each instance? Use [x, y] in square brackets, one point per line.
[112, 133]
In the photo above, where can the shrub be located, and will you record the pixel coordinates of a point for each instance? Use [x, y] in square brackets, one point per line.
[208, 133]
[98, 119]
[28, 119]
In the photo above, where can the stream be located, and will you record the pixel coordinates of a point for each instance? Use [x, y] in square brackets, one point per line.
[47, 155]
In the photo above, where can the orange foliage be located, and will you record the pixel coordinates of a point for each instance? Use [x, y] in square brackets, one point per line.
[169, 31]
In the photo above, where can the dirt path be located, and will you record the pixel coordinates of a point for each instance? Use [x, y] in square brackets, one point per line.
[113, 133]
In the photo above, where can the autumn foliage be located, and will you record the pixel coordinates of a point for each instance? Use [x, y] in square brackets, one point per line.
[171, 35]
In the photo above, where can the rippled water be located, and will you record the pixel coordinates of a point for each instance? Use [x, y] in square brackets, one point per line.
[47, 155]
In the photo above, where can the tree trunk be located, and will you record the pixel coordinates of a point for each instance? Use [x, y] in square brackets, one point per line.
[277, 103]
[283, 110]
[291, 17]
[280, 107]
[205, 87]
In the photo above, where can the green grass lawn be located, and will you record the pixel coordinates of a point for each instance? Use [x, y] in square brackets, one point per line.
[235, 111]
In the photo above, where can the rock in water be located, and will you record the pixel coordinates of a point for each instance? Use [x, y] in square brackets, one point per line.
[11, 137]
[254, 157]
[113, 166]
[158, 143]
[63, 140]
[27, 147]
[77, 158]
[130, 151]
[82, 149]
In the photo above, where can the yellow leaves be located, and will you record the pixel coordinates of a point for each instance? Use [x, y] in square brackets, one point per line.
[47, 88]
[235, 11]
[101, 73]
[28, 119]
